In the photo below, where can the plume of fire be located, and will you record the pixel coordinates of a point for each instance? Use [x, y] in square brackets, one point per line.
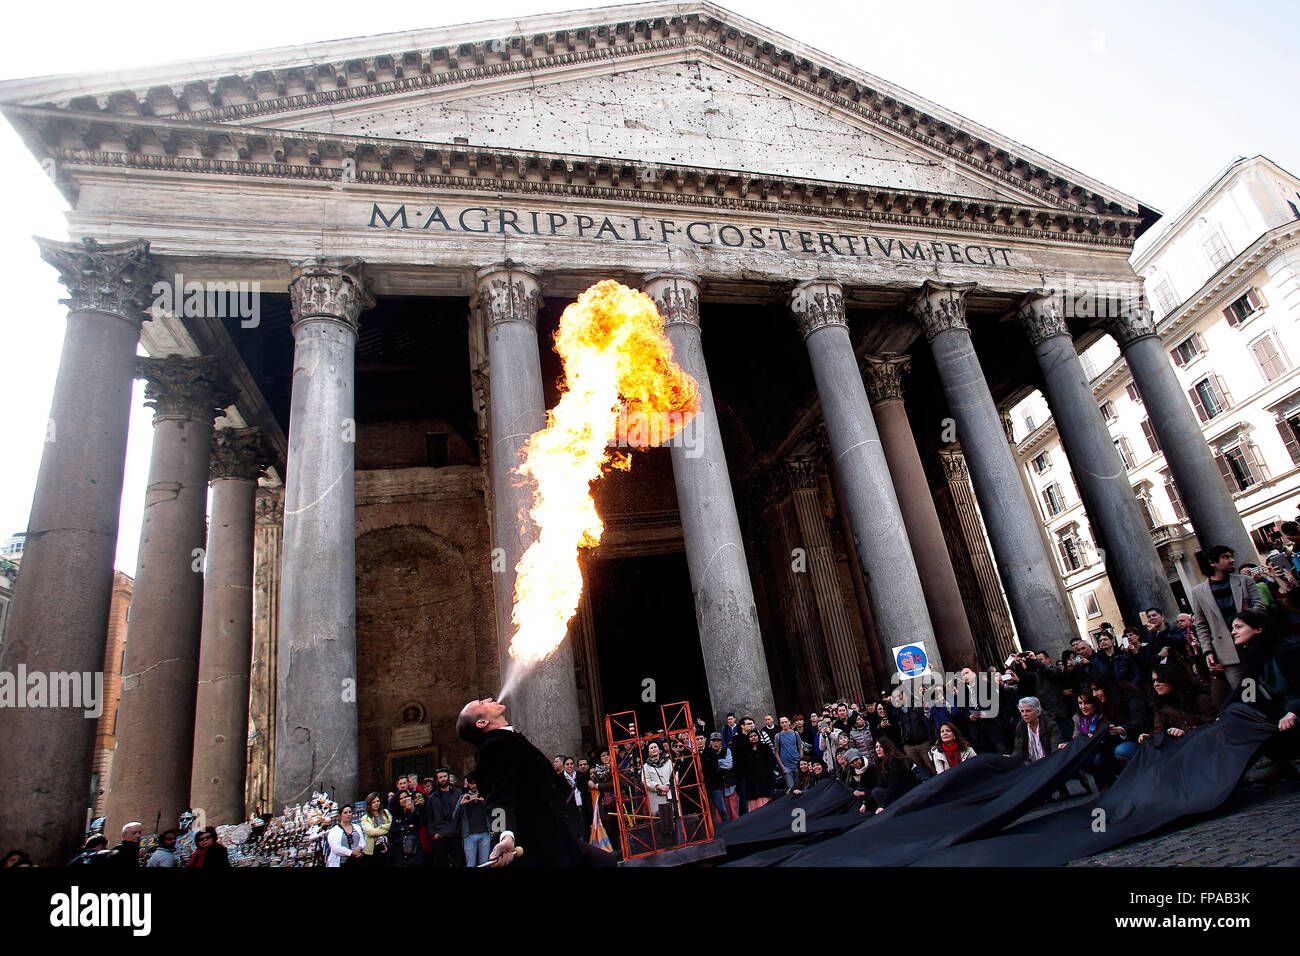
[619, 374]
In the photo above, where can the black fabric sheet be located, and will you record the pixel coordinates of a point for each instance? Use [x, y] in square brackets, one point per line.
[1181, 776]
[826, 806]
[961, 817]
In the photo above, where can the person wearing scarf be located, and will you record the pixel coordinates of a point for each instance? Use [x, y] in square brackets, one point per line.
[659, 779]
[950, 748]
[208, 852]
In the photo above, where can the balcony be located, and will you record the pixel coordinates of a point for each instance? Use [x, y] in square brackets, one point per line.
[1165, 533]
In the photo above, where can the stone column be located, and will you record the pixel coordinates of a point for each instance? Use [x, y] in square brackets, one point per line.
[155, 719]
[1132, 564]
[226, 645]
[1209, 505]
[58, 619]
[545, 705]
[1028, 575]
[879, 535]
[316, 710]
[998, 636]
[884, 381]
[730, 639]
[268, 534]
[816, 541]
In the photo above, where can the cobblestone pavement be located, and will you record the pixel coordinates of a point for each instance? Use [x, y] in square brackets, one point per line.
[1256, 826]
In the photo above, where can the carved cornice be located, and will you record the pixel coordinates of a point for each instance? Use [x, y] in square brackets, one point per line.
[189, 389]
[115, 277]
[238, 453]
[601, 178]
[508, 292]
[941, 306]
[333, 84]
[954, 465]
[677, 297]
[268, 507]
[816, 304]
[328, 288]
[1041, 316]
[883, 376]
[1135, 323]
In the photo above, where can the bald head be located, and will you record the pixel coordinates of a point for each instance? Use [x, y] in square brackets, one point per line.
[478, 717]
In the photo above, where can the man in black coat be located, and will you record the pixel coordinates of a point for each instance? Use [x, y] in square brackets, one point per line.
[524, 795]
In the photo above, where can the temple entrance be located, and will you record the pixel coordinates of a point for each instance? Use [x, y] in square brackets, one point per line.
[644, 621]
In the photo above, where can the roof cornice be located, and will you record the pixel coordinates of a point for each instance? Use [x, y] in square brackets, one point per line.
[78, 140]
[238, 88]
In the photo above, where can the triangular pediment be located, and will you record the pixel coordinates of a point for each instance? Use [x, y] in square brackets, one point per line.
[687, 112]
[689, 85]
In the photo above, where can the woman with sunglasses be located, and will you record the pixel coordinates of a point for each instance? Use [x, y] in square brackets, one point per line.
[1181, 703]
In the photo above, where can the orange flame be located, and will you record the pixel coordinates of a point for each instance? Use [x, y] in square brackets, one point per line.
[619, 375]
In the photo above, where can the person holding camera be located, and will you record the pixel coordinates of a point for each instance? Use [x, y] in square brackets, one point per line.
[470, 820]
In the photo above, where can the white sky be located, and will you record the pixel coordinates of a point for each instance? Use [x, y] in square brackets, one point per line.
[1150, 97]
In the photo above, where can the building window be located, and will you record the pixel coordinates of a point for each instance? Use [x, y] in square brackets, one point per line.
[1152, 442]
[1216, 250]
[1243, 308]
[1107, 408]
[1054, 500]
[1175, 499]
[1240, 467]
[1209, 397]
[1029, 422]
[1089, 366]
[1133, 393]
[1071, 552]
[1289, 428]
[1165, 298]
[1148, 509]
[1041, 463]
[1187, 349]
[1269, 356]
[1090, 606]
[1266, 537]
[1125, 453]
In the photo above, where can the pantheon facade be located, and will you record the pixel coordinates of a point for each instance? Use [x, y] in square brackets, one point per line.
[346, 261]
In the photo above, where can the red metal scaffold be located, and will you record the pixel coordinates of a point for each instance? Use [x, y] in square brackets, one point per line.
[684, 820]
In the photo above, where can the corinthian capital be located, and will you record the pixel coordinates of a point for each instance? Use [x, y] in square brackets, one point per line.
[941, 306]
[117, 277]
[268, 507]
[954, 465]
[1135, 322]
[883, 376]
[328, 288]
[509, 292]
[802, 473]
[192, 389]
[238, 453]
[816, 304]
[1041, 316]
[676, 296]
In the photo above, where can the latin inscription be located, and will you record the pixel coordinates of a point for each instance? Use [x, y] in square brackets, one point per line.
[489, 220]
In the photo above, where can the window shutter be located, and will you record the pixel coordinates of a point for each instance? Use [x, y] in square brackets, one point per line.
[1225, 471]
[1253, 298]
[1175, 499]
[1154, 443]
[1177, 355]
[1223, 391]
[1200, 342]
[1288, 434]
[1253, 462]
[1230, 316]
[1201, 413]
